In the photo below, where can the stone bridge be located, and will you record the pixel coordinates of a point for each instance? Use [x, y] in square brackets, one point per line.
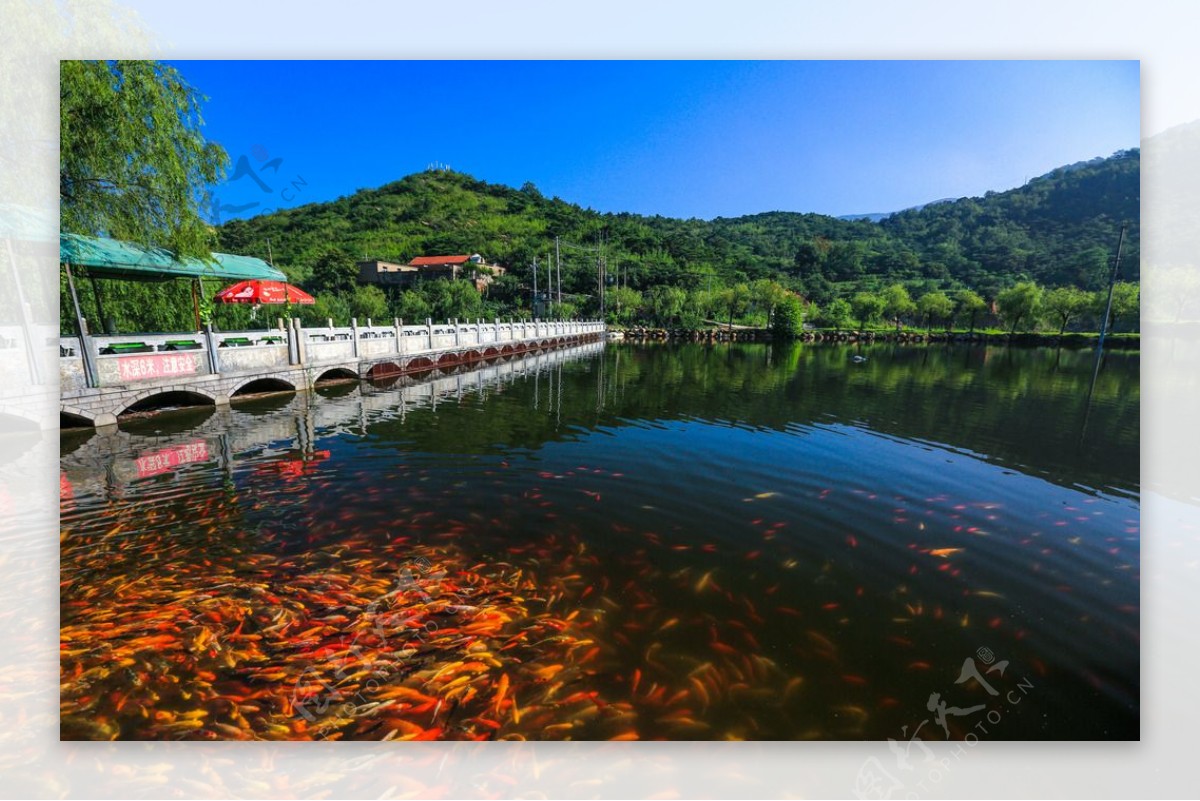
[290, 427]
[105, 377]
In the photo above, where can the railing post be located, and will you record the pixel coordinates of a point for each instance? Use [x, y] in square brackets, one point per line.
[301, 350]
[292, 344]
[210, 345]
[478, 330]
[455, 324]
[398, 328]
[354, 335]
[429, 332]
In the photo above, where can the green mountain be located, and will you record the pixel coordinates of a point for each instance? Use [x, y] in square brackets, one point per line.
[1058, 229]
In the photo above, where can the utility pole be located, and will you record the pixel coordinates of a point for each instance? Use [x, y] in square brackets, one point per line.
[558, 269]
[599, 281]
[1112, 280]
[533, 304]
[603, 273]
[549, 282]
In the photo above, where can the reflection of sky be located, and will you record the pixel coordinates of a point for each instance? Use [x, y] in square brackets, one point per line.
[846, 505]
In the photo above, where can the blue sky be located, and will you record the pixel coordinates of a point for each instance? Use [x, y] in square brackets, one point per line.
[677, 138]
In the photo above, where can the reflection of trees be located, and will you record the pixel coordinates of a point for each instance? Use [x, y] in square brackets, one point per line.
[1021, 406]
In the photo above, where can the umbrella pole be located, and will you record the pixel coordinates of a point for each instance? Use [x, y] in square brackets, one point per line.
[196, 301]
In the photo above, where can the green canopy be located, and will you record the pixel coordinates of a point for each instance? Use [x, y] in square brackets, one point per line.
[112, 258]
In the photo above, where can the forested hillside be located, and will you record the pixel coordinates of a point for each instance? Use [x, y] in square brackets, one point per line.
[1058, 229]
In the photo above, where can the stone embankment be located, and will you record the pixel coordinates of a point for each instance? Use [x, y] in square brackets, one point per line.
[903, 337]
[710, 335]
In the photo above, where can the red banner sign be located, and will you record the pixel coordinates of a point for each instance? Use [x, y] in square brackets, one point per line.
[170, 458]
[163, 365]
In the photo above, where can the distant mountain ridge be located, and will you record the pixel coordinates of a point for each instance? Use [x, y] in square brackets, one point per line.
[876, 216]
[1059, 228]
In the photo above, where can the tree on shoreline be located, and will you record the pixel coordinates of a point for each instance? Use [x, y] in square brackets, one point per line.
[1064, 303]
[867, 306]
[935, 306]
[968, 301]
[1126, 302]
[133, 164]
[789, 317]
[1019, 302]
[837, 314]
[897, 303]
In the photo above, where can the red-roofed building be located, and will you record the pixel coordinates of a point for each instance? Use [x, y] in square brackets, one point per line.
[425, 267]
[443, 261]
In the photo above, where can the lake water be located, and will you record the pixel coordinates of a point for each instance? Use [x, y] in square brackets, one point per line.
[632, 542]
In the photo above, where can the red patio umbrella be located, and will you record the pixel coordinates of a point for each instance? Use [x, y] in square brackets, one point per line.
[264, 292]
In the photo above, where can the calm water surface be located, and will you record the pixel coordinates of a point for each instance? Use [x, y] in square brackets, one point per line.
[746, 541]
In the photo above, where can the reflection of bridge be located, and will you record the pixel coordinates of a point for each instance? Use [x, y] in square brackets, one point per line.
[104, 377]
[115, 456]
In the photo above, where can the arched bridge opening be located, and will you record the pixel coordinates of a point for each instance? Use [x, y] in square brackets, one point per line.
[383, 370]
[69, 420]
[336, 375]
[263, 386]
[419, 365]
[166, 401]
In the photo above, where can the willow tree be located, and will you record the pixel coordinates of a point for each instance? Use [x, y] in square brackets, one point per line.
[935, 306]
[1063, 303]
[133, 165]
[1020, 302]
[867, 307]
[968, 302]
[897, 303]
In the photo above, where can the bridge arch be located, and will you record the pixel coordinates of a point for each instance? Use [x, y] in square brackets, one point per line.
[264, 384]
[419, 363]
[337, 374]
[449, 359]
[382, 370]
[165, 398]
[70, 417]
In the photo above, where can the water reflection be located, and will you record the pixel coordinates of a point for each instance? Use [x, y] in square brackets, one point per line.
[742, 541]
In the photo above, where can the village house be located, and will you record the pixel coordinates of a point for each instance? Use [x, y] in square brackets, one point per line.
[422, 268]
